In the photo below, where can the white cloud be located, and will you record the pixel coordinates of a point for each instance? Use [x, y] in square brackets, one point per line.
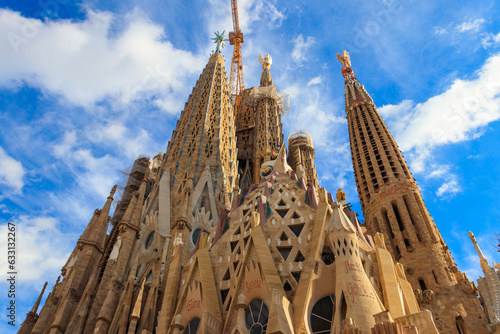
[312, 113]
[92, 64]
[93, 174]
[440, 171]
[300, 48]
[460, 113]
[41, 247]
[315, 81]
[250, 11]
[490, 40]
[66, 145]
[448, 189]
[456, 115]
[440, 31]
[11, 172]
[470, 25]
[122, 137]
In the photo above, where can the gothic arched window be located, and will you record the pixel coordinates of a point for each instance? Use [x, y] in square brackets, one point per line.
[192, 326]
[256, 317]
[322, 315]
[150, 239]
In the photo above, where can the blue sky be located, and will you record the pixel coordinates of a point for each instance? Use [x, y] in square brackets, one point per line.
[86, 87]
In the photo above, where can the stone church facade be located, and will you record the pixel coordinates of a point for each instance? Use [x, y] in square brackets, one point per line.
[227, 233]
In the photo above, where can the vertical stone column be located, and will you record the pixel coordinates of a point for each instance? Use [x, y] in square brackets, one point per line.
[172, 285]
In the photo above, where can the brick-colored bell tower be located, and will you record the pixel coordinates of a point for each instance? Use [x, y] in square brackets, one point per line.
[392, 204]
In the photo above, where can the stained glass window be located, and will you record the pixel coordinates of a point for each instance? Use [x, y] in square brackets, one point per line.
[256, 317]
[322, 315]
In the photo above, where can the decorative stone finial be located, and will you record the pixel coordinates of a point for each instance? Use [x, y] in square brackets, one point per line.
[347, 71]
[476, 246]
[266, 61]
[340, 195]
[219, 40]
[344, 59]
[113, 190]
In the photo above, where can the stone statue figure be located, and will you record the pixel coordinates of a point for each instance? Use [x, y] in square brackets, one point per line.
[266, 78]
[178, 240]
[67, 268]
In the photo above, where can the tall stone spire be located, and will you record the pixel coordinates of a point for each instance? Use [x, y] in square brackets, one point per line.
[392, 204]
[95, 232]
[489, 288]
[32, 316]
[205, 134]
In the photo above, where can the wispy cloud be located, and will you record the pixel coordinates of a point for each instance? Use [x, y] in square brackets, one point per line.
[448, 189]
[440, 30]
[490, 40]
[11, 172]
[315, 81]
[471, 25]
[38, 232]
[301, 47]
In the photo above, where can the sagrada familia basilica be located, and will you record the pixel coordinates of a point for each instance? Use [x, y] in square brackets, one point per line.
[229, 232]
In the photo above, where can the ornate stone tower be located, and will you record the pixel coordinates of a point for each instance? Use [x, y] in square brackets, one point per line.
[258, 126]
[205, 135]
[392, 204]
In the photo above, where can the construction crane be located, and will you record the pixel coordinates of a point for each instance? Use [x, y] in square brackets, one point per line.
[236, 82]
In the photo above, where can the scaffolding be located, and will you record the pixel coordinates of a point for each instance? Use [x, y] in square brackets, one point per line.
[301, 138]
[256, 94]
[132, 177]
